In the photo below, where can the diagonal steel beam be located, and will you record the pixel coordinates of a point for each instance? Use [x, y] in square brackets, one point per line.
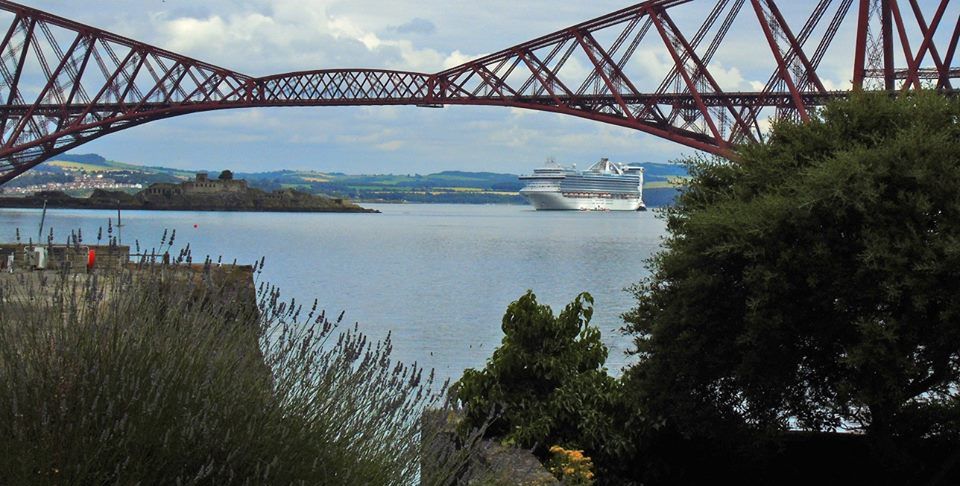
[781, 64]
[914, 67]
[667, 41]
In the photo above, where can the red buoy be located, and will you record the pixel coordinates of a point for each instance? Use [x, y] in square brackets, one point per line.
[91, 259]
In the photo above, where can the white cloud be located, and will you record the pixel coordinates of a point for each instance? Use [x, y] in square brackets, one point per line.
[244, 119]
[457, 58]
[390, 146]
[344, 28]
[417, 26]
[373, 138]
[652, 65]
[379, 113]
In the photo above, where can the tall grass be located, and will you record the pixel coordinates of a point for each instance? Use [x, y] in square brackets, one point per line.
[160, 376]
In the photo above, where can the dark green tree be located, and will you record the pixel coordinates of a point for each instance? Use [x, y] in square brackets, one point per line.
[545, 385]
[815, 283]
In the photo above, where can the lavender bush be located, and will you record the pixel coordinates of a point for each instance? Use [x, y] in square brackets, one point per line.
[161, 374]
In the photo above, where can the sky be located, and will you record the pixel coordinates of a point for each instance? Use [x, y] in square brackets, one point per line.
[261, 37]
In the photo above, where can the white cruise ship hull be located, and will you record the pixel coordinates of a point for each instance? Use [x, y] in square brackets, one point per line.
[556, 201]
[603, 187]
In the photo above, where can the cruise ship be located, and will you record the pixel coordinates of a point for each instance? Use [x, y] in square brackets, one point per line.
[605, 186]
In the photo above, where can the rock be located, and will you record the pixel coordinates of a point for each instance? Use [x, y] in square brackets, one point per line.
[500, 465]
[473, 461]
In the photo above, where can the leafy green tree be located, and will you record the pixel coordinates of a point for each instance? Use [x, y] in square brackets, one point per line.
[815, 283]
[545, 385]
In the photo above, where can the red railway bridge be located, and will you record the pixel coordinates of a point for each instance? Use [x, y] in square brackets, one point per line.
[65, 83]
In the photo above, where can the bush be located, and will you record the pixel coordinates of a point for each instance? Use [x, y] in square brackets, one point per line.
[160, 376]
[545, 385]
[813, 284]
[570, 466]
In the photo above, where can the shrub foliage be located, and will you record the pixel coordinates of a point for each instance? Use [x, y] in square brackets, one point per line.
[153, 376]
[814, 284]
[545, 385]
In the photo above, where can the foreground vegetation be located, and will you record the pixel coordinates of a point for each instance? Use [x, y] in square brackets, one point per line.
[801, 324]
[161, 376]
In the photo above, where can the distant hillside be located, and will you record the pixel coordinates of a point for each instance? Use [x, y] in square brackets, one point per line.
[657, 172]
[97, 163]
[659, 197]
[447, 186]
[92, 159]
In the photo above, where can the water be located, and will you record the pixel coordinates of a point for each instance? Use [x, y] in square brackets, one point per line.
[439, 277]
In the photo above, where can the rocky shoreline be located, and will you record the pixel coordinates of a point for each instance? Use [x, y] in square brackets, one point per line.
[250, 200]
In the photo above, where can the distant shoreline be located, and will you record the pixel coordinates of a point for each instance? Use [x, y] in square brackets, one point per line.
[37, 202]
[9, 203]
[3, 205]
[465, 203]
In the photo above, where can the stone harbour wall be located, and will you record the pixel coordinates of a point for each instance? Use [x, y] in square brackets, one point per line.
[57, 257]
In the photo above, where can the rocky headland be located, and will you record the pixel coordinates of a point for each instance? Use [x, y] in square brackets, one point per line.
[201, 194]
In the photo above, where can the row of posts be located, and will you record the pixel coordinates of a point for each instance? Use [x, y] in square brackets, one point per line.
[39, 258]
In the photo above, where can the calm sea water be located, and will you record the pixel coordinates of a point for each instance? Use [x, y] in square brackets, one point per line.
[439, 277]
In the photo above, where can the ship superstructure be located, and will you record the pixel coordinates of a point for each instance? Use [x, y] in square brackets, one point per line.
[605, 186]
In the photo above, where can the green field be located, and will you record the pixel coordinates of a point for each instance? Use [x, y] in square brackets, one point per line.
[63, 164]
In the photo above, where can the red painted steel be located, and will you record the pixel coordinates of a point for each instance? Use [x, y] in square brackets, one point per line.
[64, 83]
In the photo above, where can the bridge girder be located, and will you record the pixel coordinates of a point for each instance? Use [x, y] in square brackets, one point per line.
[95, 83]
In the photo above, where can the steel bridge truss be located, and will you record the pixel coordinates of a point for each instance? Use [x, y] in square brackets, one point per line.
[64, 83]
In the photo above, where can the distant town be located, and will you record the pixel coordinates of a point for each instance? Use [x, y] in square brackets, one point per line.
[81, 182]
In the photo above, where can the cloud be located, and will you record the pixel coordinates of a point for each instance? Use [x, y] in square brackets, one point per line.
[390, 146]
[190, 11]
[731, 79]
[416, 26]
[457, 58]
[406, 56]
[374, 138]
[255, 119]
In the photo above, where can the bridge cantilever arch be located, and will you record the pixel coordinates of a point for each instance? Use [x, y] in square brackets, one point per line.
[64, 83]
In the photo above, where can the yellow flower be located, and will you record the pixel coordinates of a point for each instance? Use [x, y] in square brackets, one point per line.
[575, 455]
[568, 471]
[556, 449]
